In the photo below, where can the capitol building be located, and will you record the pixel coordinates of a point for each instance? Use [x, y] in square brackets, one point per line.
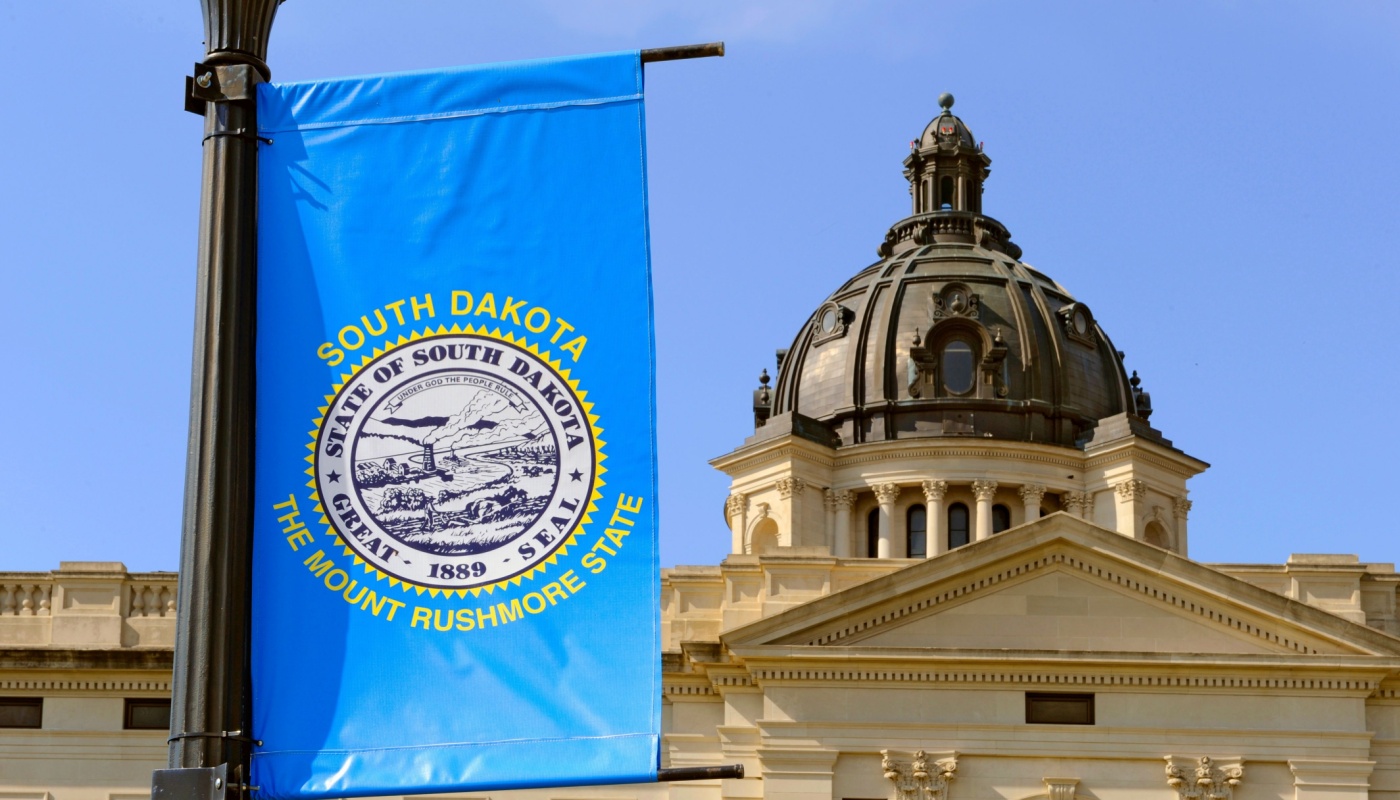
[959, 570]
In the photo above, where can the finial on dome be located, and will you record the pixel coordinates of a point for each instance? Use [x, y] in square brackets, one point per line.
[1142, 399]
[946, 100]
[762, 401]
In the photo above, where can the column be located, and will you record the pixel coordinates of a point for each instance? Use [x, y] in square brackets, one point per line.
[1180, 508]
[934, 491]
[1031, 494]
[984, 491]
[1131, 496]
[841, 502]
[885, 495]
[734, 510]
[1078, 504]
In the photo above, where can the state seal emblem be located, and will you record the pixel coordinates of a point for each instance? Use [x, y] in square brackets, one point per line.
[456, 459]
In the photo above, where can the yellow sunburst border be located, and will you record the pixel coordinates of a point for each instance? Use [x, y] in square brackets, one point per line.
[510, 338]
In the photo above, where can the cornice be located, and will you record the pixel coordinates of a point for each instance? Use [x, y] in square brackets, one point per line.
[1023, 568]
[116, 658]
[873, 676]
[1135, 448]
[1010, 452]
[787, 447]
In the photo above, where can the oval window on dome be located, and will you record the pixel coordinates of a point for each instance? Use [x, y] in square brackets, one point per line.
[958, 372]
[828, 321]
[1081, 322]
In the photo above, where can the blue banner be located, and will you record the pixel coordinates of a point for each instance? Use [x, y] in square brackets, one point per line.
[455, 568]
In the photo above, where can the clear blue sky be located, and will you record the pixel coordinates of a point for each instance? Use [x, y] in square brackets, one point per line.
[1218, 181]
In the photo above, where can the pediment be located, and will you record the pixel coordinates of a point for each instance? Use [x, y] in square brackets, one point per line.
[1062, 584]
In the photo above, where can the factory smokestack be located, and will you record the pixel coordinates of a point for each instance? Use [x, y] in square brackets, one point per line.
[428, 464]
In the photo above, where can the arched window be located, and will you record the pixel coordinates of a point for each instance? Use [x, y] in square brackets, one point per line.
[958, 367]
[1156, 535]
[917, 540]
[764, 538]
[872, 533]
[1001, 518]
[957, 525]
[945, 199]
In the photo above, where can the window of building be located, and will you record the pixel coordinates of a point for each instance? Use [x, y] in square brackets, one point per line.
[1001, 518]
[1053, 708]
[946, 190]
[957, 367]
[1156, 535]
[21, 712]
[872, 533]
[918, 532]
[957, 525]
[147, 715]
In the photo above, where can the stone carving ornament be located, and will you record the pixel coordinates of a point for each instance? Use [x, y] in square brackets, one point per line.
[1206, 781]
[885, 493]
[920, 779]
[787, 487]
[984, 490]
[934, 491]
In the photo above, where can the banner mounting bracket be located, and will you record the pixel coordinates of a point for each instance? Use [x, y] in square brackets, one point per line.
[678, 52]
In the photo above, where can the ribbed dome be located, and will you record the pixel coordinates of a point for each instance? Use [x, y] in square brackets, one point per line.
[949, 334]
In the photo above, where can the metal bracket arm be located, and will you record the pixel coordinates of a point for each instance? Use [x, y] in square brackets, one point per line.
[220, 83]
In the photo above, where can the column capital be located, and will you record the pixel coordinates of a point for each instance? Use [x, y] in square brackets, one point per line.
[1181, 507]
[735, 504]
[885, 493]
[1130, 490]
[1206, 780]
[1031, 493]
[787, 487]
[1076, 500]
[934, 491]
[984, 490]
[840, 498]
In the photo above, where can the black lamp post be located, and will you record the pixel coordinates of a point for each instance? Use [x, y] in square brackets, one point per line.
[211, 709]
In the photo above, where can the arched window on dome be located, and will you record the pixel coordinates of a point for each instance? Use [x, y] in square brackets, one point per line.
[958, 528]
[872, 533]
[957, 366]
[1001, 518]
[917, 536]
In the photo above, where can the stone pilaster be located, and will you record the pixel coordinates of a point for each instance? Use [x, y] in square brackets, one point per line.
[840, 501]
[1078, 504]
[1181, 507]
[1031, 495]
[1132, 495]
[736, 511]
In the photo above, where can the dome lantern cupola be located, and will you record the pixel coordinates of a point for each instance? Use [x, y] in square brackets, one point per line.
[946, 166]
[945, 169]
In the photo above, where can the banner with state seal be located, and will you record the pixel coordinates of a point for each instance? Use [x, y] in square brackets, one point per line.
[455, 566]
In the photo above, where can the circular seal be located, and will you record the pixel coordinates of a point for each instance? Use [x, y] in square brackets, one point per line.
[456, 461]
